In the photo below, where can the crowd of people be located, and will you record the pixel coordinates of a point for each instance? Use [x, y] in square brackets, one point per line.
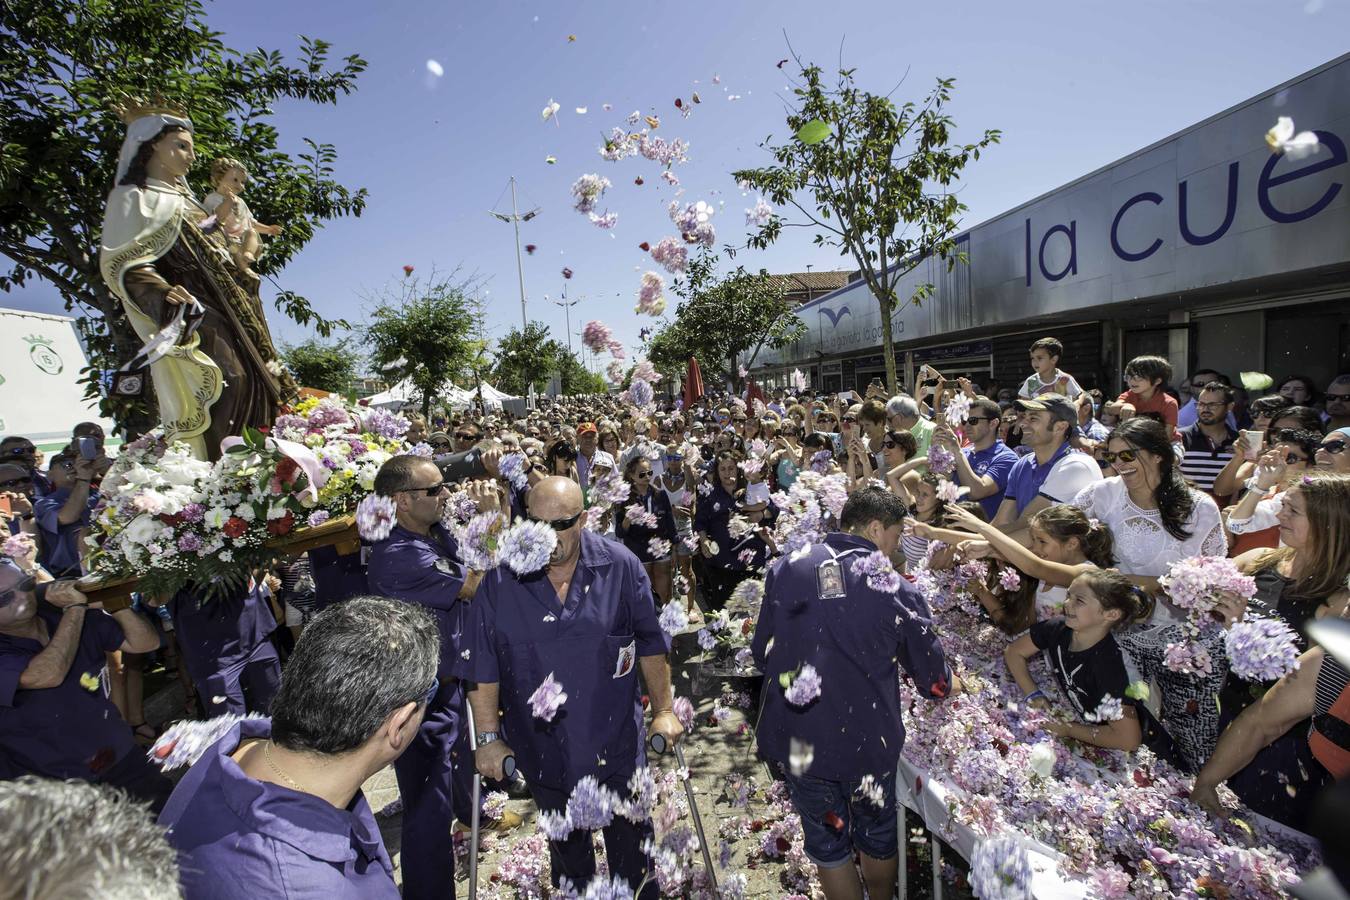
[403, 654]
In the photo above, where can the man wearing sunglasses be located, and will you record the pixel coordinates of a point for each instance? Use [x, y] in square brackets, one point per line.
[17, 493]
[589, 620]
[278, 801]
[54, 720]
[1053, 472]
[985, 465]
[21, 451]
[1331, 453]
[1337, 399]
[63, 515]
[419, 563]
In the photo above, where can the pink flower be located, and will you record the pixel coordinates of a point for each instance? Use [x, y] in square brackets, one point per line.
[547, 699]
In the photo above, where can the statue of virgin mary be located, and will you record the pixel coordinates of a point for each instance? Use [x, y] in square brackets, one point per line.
[207, 344]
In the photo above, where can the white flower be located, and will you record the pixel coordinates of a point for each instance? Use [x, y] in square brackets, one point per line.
[551, 110]
[1042, 759]
[142, 530]
[1282, 139]
[276, 512]
[245, 512]
[226, 556]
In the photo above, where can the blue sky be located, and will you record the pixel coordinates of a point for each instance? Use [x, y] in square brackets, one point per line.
[1073, 85]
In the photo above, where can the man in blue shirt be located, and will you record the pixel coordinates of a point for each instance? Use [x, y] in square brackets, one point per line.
[63, 514]
[818, 611]
[984, 466]
[1053, 472]
[589, 621]
[274, 808]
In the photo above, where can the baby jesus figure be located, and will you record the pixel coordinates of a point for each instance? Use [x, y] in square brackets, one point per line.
[228, 177]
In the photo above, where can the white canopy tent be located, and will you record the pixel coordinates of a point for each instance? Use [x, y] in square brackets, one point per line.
[405, 396]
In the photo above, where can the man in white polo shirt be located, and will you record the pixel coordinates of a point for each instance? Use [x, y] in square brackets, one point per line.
[1053, 472]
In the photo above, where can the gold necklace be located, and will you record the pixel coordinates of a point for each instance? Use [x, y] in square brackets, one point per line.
[267, 756]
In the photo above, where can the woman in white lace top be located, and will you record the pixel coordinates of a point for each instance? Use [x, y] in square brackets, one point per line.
[1154, 516]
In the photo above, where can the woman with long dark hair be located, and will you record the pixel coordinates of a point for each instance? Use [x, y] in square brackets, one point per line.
[1304, 579]
[631, 527]
[714, 507]
[1156, 517]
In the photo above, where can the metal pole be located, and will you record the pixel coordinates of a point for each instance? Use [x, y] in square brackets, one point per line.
[902, 827]
[937, 866]
[520, 265]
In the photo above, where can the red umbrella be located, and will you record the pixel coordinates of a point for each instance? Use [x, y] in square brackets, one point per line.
[754, 392]
[693, 384]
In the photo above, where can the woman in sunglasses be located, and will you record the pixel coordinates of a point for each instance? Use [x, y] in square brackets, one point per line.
[561, 459]
[1156, 517]
[1304, 579]
[645, 517]
[1331, 453]
[786, 459]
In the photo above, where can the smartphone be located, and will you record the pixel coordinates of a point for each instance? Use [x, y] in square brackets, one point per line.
[1253, 443]
[88, 448]
[5, 506]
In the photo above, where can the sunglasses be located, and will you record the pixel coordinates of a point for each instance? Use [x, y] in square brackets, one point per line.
[465, 436]
[1126, 456]
[1293, 459]
[27, 479]
[22, 451]
[559, 524]
[983, 419]
[1329, 446]
[889, 444]
[12, 594]
[540, 468]
[430, 491]
[1337, 398]
[642, 474]
[670, 458]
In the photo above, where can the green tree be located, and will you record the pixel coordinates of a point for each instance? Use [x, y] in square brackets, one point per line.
[526, 357]
[317, 364]
[425, 332]
[64, 66]
[722, 317]
[874, 179]
[576, 378]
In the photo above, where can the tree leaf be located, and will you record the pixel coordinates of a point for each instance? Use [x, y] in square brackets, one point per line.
[813, 132]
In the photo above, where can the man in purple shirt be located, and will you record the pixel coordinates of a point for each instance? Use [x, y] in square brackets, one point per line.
[63, 515]
[419, 564]
[589, 621]
[856, 636]
[54, 720]
[274, 807]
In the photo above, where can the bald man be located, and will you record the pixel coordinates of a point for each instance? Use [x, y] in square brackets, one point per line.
[589, 619]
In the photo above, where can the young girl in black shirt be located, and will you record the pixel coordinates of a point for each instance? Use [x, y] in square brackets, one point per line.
[1087, 663]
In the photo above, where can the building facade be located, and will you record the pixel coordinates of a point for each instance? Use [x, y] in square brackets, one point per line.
[1204, 247]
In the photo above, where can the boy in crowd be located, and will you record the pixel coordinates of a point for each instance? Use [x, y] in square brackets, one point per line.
[1046, 377]
[1146, 377]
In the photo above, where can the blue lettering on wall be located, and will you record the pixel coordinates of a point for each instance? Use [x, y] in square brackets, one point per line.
[1230, 209]
[1071, 230]
[1146, 196]
[1267, 181]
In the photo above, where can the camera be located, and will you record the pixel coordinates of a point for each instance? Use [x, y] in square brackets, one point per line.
[460, 466]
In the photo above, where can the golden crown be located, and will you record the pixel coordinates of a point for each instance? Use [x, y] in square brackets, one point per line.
[129, 109]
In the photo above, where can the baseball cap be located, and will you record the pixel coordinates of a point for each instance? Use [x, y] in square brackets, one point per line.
[585, 427]
[1058, 406]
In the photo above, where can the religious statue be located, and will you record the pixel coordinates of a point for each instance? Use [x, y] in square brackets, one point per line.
[228, 177]
[207, 347]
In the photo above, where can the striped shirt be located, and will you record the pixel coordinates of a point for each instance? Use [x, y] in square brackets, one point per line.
[1204, 460]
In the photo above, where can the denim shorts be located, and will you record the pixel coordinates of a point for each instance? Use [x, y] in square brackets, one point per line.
[860, 824]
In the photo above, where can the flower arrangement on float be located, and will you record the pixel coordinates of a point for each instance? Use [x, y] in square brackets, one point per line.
[167, 519]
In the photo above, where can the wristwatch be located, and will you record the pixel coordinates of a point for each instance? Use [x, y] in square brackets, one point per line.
[488, 737]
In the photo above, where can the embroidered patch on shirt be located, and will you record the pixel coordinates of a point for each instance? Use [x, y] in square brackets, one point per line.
[627, 656]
